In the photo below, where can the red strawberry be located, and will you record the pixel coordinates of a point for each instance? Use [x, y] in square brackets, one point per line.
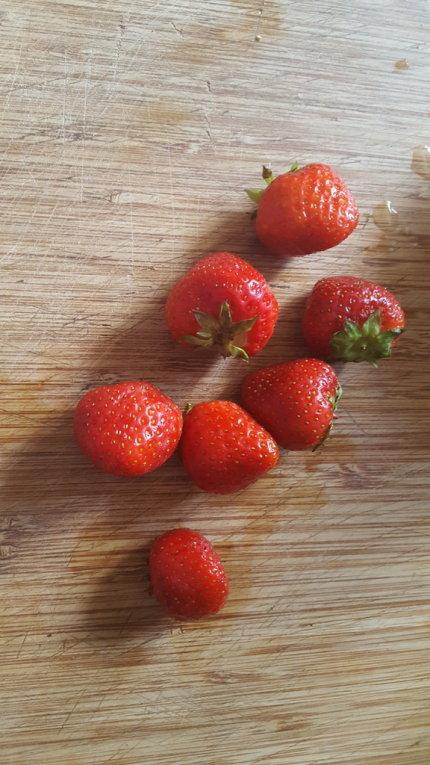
[351, 319]
[294, 401]
[187, 576]
[306, 210]
[127, 429]
[223, 302]
[223, 448]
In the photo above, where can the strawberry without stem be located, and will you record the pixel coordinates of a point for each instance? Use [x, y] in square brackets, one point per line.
[222, 302]
[127, 429]
[223, 449]
[186, 574]
[306, 210]
[295, 401]
[352, 319]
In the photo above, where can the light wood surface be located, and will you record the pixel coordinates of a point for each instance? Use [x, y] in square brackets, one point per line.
[127, 133]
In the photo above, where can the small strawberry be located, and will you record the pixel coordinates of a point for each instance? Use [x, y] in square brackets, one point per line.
[223, 448]
[186, 574]
[127, 429]
[351, 319]
[222, 302]
[306, 210]
[294, 401]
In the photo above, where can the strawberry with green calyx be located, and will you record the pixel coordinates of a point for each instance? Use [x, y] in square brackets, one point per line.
[352, 319]
[306, 210]
[224, 303]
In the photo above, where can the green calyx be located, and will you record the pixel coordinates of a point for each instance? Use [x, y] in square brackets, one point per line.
[334, 400]
[256, 194]
[365, 343]
[223, 332]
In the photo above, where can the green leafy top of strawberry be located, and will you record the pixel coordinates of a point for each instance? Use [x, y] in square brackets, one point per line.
[367, 342]
[223, 331]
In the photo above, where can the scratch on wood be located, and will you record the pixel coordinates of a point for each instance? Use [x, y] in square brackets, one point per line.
[69, 714]
[65, 96]
[22, 645]
[131, 242]
[14, 76]
[177, 30]
[84, 122]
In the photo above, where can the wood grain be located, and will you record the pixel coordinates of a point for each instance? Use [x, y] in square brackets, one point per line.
[128, 131]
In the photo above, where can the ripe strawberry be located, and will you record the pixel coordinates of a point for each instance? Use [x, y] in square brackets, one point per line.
[186, 574]
[223, 302]
[351, 319]
[306, 210]
[223, 448]
[127, 429]
[294, 401]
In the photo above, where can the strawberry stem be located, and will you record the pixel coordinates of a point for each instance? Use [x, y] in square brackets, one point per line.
[267, 175]
[256, 194]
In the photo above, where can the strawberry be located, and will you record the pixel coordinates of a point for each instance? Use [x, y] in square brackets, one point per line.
[351, 319]
[186, 574]
[306, 210]
[127, 429]
[222, 302]
[294, 401]
[223, 448]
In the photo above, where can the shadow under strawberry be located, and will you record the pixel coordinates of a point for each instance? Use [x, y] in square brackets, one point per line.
[120, 618]
[49, 487]
[144, 350]
[233, 231]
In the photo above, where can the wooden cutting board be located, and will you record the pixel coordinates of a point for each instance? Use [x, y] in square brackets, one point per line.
[128, 132]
